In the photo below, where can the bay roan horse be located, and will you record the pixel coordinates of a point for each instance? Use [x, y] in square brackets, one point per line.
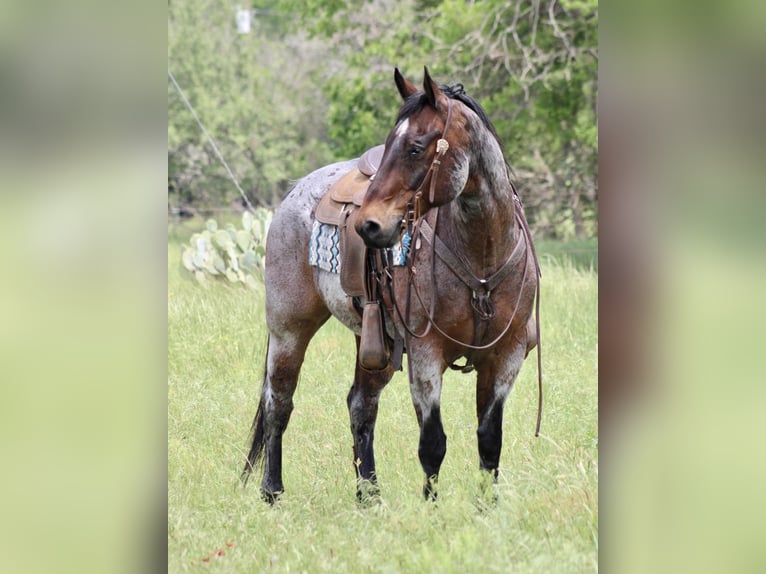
[466, 292]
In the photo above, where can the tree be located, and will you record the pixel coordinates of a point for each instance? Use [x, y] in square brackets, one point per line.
[266, 122]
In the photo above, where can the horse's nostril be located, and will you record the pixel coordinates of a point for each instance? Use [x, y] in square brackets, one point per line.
[370, 228]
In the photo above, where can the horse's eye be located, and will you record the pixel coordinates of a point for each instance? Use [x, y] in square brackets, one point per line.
[415, 151]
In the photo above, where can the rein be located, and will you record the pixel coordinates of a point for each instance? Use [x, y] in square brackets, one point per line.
[483, 306]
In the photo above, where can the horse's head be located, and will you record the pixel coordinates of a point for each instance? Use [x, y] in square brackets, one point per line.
[425, 163]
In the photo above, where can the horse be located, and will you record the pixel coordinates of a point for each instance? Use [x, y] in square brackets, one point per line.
[467, 291]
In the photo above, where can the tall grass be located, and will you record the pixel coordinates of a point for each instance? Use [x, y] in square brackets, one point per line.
[545, 519]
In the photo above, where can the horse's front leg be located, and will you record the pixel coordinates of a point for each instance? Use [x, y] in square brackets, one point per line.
[425, 386]
[363, 411]
[494, 381]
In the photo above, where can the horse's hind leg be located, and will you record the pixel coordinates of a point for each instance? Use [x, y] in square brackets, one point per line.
[287, 348]
[363, 411]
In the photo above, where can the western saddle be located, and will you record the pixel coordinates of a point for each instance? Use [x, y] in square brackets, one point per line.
[339, 207]
[358, 265]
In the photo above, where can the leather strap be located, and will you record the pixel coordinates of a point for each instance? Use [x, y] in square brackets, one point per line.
[461, 269]
[415, 208]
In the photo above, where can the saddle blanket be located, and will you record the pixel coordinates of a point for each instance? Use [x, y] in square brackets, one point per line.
[324, 248]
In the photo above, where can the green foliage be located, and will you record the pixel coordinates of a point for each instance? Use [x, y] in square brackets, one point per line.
[253, 92]
[234, 254]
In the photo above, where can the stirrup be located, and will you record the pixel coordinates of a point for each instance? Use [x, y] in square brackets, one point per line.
[373, 352]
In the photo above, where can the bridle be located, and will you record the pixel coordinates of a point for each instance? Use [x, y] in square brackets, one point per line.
[414, 212]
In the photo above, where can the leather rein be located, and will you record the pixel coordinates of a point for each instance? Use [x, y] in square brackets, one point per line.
[417, 224]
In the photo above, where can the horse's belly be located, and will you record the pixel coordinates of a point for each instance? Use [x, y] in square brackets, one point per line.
[328, 285]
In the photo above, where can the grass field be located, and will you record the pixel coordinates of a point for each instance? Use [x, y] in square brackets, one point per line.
[546, 517]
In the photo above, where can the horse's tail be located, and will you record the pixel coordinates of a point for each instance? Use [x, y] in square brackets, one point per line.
[258, 444]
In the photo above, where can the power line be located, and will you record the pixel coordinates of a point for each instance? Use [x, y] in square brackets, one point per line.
[212, 142]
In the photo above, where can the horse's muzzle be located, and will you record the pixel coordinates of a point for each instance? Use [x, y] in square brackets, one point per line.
[375, 235]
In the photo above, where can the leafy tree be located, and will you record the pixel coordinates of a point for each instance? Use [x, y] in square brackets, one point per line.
[267, 123]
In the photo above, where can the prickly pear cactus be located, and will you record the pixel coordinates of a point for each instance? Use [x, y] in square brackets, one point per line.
[232, 254]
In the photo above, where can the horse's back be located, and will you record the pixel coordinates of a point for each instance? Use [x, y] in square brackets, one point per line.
[299, 205]
[290, 288]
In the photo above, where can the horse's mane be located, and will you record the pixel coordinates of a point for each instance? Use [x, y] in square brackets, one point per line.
[418, 101]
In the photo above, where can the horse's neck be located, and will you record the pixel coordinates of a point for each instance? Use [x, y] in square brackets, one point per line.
[481, 220]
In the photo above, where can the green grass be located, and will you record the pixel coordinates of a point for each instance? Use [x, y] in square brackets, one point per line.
[546, 518]
[581, 253]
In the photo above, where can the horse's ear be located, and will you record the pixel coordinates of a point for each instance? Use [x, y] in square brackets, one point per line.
[406, 89]
[432, 90]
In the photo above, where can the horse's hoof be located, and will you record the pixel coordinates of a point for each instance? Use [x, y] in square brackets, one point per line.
[367, 494]
[271, 497]
[368, 500]
[487, 497]
[429, 490]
